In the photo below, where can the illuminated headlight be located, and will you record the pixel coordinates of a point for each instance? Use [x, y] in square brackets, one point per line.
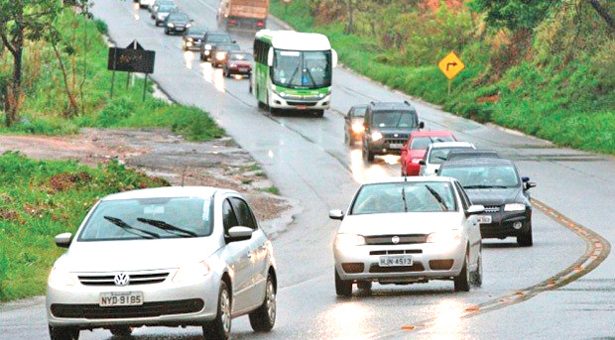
[61, 277]
[514, 207]
[376, 136]
[208, 46]
[189, 38]
[220, 55]
[349, 240]
[443, 237]
[321, 95]
[358, 127]
[191, 272]
[188, 25]
[233, 65]
[189, 43]
[170, 25]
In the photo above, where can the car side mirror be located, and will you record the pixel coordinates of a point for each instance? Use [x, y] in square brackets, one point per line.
[239, 233]
[529, 185]
[422, 162]
[234, 41]
[336, 214]
[421, 125]
[525, 179]
[63, 240]
[475, 210]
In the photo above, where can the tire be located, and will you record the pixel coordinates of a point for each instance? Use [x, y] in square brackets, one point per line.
[477, 275]
[343, 288]
[220, 327]
[166, 31]
[157, 23]
[364, 285]
[462, 281]
[319, 113]
[367, 155]
[121, 331]
[263, 319]
[526, 239]
[63, 333]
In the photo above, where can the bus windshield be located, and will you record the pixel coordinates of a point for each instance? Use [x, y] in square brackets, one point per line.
[304, 69]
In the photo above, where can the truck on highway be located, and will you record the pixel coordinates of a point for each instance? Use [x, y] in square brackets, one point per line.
[249, 14]
[292, 71]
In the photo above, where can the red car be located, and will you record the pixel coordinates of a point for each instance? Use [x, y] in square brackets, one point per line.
[237, 62]
[414, 149]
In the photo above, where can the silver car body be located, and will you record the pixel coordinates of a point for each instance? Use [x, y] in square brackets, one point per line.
[430, 168]
[393, 234]
[153, 267]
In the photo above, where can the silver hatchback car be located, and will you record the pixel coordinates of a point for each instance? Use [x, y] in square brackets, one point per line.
[172, 256]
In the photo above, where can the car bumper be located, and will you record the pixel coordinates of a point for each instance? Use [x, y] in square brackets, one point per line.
[166, 304]
[383, 147]
[192, 45]
[278, 102]
[430, 261]
[239, 70]
[503, 225]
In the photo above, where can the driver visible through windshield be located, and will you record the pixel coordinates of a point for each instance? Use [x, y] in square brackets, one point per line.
[395, 119]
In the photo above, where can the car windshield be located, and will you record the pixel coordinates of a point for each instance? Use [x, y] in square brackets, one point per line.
[219, 38]
[166, 8]
[303, 69]
[227, 47]
[404, 197]
[395, 119]
[483, 176]
[241, 57]
[439, 155]
[178, 17]
[359, 112]
[423, 142]
[196, 31]
[149, 218]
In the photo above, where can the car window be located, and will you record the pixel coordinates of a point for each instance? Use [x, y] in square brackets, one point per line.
[244, 214]
[358, 112]
[229, 219]
[439, 155]
[404, 196]
[465, 201]
[393, 119]
[218, 38]
[423, 142]
[483, 176]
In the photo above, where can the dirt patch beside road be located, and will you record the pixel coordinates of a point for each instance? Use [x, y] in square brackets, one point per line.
[160, 153]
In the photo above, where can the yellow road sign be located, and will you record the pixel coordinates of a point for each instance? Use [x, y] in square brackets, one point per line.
[451, 65]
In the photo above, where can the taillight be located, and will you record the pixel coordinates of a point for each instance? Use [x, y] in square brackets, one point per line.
[260, 24]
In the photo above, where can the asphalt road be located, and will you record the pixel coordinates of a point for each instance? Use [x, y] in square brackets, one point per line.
[307, 159]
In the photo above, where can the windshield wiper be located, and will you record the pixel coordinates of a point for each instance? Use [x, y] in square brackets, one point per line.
[293, 75]
[484, 186]
[403, 198]
[309, 73]
[167, 227]
[437, 197]
[129, 229]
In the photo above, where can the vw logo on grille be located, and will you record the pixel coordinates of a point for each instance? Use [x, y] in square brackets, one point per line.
[395, 239]
[396, 135]
[121, 279]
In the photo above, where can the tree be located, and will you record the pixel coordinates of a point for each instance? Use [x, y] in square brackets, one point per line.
[604, 13]
[21, 20]
[513, 14]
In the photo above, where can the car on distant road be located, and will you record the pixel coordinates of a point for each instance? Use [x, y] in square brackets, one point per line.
[162, 12]
[437, 153]
[219, 53]
[237, 62]
[154, 7]
[413, 149]
[495, 183]
[387, 126]
[170, 256]
[176, 22]
[211, 39]
[408, 230]
[193, 38]
[353, 124]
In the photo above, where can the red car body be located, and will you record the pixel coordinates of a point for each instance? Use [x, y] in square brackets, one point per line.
[414, 149]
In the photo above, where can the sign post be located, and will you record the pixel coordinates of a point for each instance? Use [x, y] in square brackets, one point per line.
[450, 66]
[131, 59]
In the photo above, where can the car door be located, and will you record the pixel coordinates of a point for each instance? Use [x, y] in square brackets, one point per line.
[258, 252]
[472, 226]
[238, 258]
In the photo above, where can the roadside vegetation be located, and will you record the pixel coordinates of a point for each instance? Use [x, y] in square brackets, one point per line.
[39, 199]
[543, 67]
[64, 83]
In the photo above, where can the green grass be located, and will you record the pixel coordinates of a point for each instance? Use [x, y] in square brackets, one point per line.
[272, 190]
[45, 106]
[39, 199]
[566, 95]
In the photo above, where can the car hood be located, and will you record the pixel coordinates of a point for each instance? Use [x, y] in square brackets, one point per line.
[402, 132]
[493, 196]
[400, 223]
[136, 255]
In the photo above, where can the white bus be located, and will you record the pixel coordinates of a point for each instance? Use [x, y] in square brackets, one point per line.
[292, 71]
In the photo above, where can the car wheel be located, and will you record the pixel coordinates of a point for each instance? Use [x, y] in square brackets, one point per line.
[319, 113]
[477, 275]
[166, 31]
[367, 155]
[343, 288]
[526, 239]
[63, 333]
[121, 331]
[263, 319]
[364, 285]
[157, 23]
[220, 327]
[462, 281]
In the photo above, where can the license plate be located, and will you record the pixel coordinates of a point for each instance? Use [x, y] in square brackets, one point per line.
[243, 69]
[395, 261]
[301, 107]
[395, 146]
[121, 299]
[483, 219]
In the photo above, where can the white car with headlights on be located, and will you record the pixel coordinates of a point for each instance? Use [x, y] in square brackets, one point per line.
[173, 256]
[408, 230]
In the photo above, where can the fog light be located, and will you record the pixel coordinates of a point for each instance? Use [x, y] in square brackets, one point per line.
[517, 225]
[353, 267]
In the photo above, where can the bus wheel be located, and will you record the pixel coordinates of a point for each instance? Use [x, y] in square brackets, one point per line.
[319, 113]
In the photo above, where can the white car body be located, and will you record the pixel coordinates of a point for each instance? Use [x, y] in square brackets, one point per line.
[146, 3]
[363, 240]
[430, 168]
[184, 273]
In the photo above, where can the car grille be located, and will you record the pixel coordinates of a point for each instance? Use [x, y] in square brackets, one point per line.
[417, 267]
[148, 309]
[388, 239]
[401, 136]
[395, 140]
[301, 103]
[135, 278]
[492, 208]
[395, 252]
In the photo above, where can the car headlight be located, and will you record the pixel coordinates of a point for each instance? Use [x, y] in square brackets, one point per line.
[191, 272]
[208, 46]
[220, 55]
[188, 25]
[349, 240]
[514, 207]
[376, 136]
[170, 25]
[358, 127]
[61, 277]
[444, 237]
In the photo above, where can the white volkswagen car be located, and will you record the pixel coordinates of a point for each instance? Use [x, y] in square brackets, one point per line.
[172, 256]
[408, 230]
[437, 153]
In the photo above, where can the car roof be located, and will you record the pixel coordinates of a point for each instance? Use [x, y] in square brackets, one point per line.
[411, 179]
[172, 191]
[387, 106]
[477, 161]
[360, 106]
[431, 133]
[438, 145]
[472, 154]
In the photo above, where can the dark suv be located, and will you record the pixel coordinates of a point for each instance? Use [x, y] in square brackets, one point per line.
[387, 127]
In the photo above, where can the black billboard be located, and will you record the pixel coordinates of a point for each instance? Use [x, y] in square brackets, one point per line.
[131, 59]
